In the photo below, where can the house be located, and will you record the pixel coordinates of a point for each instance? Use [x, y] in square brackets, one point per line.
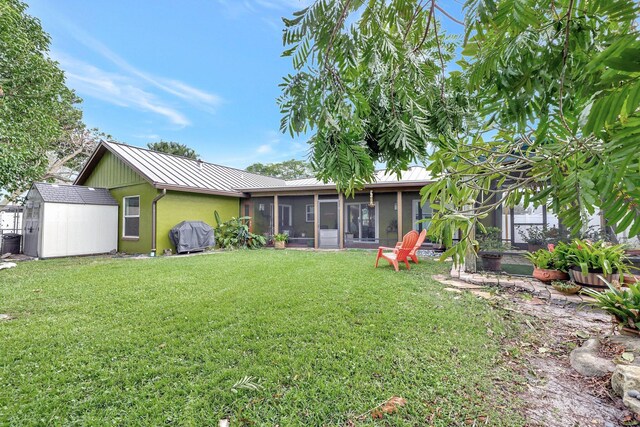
[155, 191]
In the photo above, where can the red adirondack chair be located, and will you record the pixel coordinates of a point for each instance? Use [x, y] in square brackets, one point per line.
[413, 255]
[399, 254]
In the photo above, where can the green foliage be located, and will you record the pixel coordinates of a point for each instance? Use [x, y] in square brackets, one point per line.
[370, 86]
[541, 258]
[235, 234]
[35, 105]
[622, 303]
[542, 236]
[175, 148]
[280, 237]
[545, 111]
[490, 240]
[598, 257]
[550, 260]
[289, 169]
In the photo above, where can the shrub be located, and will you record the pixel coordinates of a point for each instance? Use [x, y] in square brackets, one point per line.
[280, 237]
[622, 303]
[490, 240]
[599, 257]
[550, 260]
[234, 234]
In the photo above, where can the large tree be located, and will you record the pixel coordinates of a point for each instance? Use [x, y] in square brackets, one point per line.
[370, 86]
[175, 148]
[289, 169]
[555, 90]
[35, 103]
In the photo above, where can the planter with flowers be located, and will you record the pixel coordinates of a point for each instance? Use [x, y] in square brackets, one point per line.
[280, 240]
[596, 263]
[550, 265]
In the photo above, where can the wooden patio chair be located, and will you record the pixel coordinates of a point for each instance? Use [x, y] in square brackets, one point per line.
[401, 253]
[413, 254]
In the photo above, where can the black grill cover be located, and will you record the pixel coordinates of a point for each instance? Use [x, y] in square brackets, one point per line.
[191, 236]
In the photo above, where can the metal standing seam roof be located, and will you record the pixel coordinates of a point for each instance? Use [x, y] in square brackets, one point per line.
[175, 171]
[417, 175]
[178, 173]
[74, 194]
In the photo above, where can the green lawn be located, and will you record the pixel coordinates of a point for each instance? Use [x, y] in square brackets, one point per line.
[99, 341]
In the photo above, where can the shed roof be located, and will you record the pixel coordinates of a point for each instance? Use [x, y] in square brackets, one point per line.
[74, 194]
[179, 173]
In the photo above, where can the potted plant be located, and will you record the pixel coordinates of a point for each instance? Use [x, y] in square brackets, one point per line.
[622, 303]
[491, 248]
[280, 240]
[591, 262]
[567, 288]
[535, 237]
[549, 265]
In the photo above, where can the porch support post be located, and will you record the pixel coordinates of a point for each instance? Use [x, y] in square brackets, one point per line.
[316, 214]
[341, 221]
[276, 215]
[399, 201]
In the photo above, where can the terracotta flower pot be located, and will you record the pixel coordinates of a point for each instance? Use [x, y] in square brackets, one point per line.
[591, 278]
[279, 244]
[545, 275]
[491, 262]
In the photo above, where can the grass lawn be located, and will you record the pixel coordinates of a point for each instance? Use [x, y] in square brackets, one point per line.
[162, 341]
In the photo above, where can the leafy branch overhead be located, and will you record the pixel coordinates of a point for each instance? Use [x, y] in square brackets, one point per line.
[370, 86]
[544, 111]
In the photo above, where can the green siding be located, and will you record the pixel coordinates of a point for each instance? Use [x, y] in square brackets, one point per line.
[111, 172]
[176, 207]
[146, 193]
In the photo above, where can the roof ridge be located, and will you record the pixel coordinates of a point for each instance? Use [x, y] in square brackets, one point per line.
[188, 158]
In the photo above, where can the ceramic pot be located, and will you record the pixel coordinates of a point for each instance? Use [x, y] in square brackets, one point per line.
[279, 244]
[591, 279]
[491, 262]
[545, 275]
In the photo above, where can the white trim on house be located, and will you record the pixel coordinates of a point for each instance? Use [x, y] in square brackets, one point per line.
[125, 216]
[306, 212]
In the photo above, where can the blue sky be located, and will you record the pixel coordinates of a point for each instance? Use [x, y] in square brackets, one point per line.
[203, 72]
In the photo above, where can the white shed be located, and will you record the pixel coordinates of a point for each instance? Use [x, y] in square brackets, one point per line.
[67, 220]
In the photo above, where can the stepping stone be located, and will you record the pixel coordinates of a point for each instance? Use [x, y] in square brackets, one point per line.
[458, 291]
[483, 294]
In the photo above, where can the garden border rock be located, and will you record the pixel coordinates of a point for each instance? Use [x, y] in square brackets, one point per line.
[528, 284]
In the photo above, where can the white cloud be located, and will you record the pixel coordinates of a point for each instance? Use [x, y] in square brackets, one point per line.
[115, 88]
[147, 136]
[264, 149]
[138, 78]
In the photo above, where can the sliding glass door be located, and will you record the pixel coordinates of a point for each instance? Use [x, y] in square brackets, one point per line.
[361, 222]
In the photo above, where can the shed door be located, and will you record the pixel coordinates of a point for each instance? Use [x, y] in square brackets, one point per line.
[31, 229]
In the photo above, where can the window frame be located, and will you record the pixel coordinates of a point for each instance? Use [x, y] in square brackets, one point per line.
[306, 212]
[125, 216]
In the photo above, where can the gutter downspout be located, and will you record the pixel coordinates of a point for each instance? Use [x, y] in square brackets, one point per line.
[154, 213]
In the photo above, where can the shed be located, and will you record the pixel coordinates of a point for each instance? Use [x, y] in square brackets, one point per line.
[67, 220]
